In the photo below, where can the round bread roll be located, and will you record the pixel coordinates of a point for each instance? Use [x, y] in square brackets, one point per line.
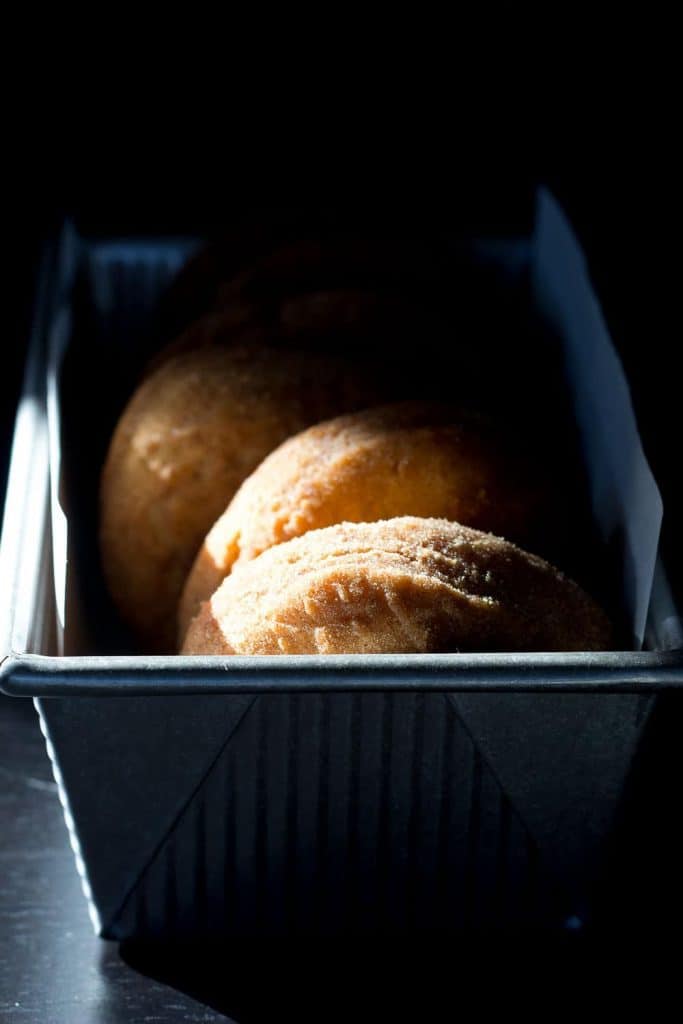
[340, 318]
[215, 330]
[249, 240]
[414, 263]
[288, 252]
[404, 585]
[194, 429]
[337, 320]
[366, 293]
[409, 458]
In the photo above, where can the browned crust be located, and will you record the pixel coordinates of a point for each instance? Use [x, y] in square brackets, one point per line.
[405, 585]
[194, 429]
[409, 458]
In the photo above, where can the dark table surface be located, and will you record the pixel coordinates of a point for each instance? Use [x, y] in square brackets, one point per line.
[52, 966]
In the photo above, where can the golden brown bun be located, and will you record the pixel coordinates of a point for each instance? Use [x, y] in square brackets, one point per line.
[194, 429]
[354, 262]
[383, 323]
[287, 253]
[194, 290]
[409, 458]
[340, 317]
[215, 330]
[403, 585]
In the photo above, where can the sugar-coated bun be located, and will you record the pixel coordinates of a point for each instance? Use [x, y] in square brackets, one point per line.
[372, 323]
[262, 263]
[409, 458]
[411, 264]
[405, 585]
[196, 427]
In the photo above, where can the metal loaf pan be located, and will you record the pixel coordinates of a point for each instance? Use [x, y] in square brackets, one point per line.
[378, 794]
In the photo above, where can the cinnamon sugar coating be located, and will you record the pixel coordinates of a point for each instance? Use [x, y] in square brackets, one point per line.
[194, 429]
[409, 458]
[404, 585]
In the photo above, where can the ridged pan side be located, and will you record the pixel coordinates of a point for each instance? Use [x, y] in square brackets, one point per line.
[345, 813]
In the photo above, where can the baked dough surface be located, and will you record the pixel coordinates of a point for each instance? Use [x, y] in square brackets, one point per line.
[404, 585]
[195, 428]
[409, 458]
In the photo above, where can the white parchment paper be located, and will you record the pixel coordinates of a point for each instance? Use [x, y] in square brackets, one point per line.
[625, 500]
